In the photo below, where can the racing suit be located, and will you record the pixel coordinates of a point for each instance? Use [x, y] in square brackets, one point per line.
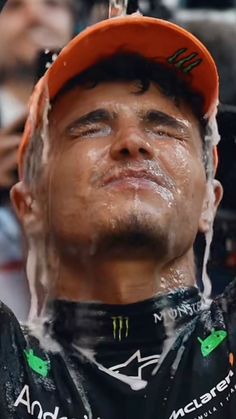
[165, 358]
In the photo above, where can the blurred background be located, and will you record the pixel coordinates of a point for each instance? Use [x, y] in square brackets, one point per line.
[31, 31]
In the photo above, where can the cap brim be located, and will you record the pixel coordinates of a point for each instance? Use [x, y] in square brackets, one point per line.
[153, 38]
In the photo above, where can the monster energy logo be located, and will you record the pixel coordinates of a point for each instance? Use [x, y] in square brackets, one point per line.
[186, 63]
[120, 327]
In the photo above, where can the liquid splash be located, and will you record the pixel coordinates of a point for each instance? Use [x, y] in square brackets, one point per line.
[117, 8]
[207, 286]
[212, 138]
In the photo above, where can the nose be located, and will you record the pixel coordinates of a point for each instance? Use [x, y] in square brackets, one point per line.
[34, 12]
[130, 143]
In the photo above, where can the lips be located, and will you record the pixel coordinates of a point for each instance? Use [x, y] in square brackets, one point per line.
[142, 177]
[42, 37]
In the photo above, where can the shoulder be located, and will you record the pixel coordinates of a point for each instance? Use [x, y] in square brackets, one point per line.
[227, 300]
[219, 314]
[7, 316]
[10, 328]
[224, 306]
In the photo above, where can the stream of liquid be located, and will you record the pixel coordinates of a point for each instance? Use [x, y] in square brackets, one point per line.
[212, 139]
[117, 8]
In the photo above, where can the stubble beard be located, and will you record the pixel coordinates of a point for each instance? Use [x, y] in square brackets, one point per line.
[132, 236]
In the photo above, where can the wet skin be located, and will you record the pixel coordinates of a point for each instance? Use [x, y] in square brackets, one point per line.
[125, 192]
[116, 154]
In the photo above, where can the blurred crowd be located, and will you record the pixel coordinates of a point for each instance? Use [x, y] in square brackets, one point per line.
[31, 31]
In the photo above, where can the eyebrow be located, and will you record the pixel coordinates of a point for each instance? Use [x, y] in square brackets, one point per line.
[98, 115]
[150, 116]
[162, 118]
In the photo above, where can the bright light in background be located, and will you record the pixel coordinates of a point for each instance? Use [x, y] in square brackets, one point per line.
[171, 3]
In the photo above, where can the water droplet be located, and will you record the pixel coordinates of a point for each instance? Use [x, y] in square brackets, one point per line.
[54, 57]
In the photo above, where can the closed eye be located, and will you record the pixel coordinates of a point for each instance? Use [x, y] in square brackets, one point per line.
[163, 133]
[93, 131]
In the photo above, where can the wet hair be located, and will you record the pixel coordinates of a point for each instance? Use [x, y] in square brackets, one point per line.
[127, 67]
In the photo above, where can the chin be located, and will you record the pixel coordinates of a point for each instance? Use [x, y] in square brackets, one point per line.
[132, 233]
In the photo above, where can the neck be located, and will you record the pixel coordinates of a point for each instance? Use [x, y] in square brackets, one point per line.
[119, 281]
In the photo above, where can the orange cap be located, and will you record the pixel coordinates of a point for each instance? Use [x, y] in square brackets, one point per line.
[153, 38]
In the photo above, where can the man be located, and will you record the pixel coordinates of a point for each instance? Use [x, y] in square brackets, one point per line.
[116, 181]
[26, 28]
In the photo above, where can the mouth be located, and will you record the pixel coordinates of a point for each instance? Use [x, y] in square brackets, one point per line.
[42, 37]
[135, 179]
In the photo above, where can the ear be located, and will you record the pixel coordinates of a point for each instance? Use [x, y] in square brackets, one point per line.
[213, 196]
[26, 208]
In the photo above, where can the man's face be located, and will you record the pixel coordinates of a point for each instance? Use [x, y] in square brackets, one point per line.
[124, 165]
[29, 26]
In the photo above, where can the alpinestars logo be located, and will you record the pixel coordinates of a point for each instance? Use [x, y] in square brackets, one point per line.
[120, 326]
[184, 62]
[135, 363]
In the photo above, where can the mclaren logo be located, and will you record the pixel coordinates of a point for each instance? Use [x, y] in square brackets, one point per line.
[120, 326]
[203, 399]
[184, 61]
